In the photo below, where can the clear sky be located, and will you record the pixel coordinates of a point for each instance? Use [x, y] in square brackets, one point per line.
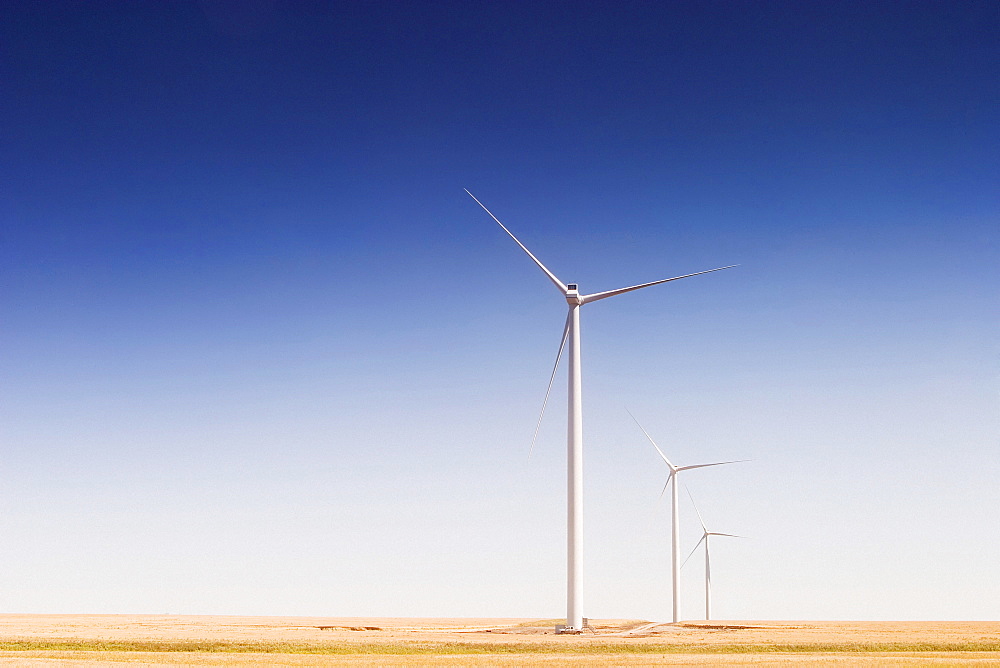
[261, 354]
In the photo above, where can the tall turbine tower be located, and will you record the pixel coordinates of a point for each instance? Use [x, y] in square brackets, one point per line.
[574, 438]
[705, 533]
[675, 530]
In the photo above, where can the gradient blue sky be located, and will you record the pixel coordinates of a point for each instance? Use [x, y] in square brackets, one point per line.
[262, 355]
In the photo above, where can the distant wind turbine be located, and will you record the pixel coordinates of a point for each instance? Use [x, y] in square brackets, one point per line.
[705, 533]
[571, 332]
[675, 531]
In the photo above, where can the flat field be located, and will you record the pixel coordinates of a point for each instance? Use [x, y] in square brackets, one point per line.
[174, 640]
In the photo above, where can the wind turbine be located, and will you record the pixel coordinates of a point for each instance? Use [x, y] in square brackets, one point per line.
[574, 436]
[705, 533]
[675, 531]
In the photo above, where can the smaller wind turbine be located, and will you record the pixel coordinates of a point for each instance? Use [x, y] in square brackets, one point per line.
[705, 533]
[675, 531]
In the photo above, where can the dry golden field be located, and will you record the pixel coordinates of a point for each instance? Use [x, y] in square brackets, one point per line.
[174, 640]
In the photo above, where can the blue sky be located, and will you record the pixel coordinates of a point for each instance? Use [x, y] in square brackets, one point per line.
[263, 355]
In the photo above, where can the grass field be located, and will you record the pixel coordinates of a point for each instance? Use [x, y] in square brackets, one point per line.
[164, 640]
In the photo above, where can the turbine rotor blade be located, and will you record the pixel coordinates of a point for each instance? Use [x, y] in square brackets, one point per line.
[555, 367]
[699, 466]
[586, 299]
[703, 527]
[667, 483]
[703, 538]
[672, 467]
[730, 535]
[552, 277]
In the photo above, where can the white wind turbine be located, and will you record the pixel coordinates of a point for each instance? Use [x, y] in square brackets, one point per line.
[574, 556]
[675, 531]
[705, 533]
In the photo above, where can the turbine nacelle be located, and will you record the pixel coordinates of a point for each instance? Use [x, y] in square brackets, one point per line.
[573, 297]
